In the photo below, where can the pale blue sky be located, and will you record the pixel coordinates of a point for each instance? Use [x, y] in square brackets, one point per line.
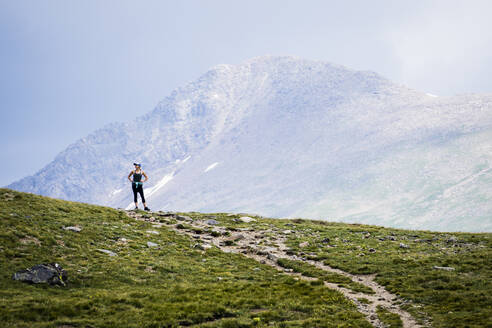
[69, 67]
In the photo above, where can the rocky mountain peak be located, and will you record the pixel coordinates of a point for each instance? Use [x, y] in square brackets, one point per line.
[285, 136]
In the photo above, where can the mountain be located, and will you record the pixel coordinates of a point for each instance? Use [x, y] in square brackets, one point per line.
[287, 137]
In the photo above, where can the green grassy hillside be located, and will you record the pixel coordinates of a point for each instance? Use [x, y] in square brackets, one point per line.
[177, 284]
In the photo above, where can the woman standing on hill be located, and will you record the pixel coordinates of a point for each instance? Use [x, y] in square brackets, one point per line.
[137, 184]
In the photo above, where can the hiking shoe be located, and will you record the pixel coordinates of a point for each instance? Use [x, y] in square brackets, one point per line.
[146, 208]
[136, 207]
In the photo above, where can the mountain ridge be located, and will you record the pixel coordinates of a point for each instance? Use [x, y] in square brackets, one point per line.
[292, 137]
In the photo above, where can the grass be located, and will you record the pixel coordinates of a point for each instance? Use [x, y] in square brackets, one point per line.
[176, 284]
[312, 271]
[170, 286]
[391, 320]
[459, 298]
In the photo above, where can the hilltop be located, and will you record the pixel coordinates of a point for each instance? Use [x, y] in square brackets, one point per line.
[289, 137]
[234, 270]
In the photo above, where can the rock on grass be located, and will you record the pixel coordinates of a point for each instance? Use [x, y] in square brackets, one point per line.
[105, 251]
[46, 273]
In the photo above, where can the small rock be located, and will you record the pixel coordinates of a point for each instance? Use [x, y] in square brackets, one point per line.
[30, 240]
[183, 218]
[367, 235]
[452, 240]
[286, 232]
[402, 245]
[202, 247]
[105, 251]
[238, 236]
[151, 244]
[272, 257]
[304, 244]
[443, 268]
[199, 246]
[326, 241]
[152, 232]
[212, 222]
[168, 214]
[393, 238]
[246, 219]
[51, 273]
[372, 250]
[74, 228]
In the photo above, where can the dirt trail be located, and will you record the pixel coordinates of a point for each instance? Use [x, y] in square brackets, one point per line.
[247, 242]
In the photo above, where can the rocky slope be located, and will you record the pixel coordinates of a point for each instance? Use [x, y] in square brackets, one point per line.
[151, 269]
[287, 137]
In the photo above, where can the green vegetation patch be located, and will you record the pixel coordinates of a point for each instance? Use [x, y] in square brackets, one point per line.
[404, 262]
[170, 285]
[391, 320]
[312, 271]
[442, 277]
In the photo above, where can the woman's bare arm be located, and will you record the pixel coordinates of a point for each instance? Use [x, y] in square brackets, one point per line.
[129, 175]
[145, 175]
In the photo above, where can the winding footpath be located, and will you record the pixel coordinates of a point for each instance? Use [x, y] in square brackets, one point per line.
[247, 242]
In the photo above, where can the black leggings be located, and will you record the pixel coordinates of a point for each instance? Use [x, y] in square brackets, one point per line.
[136, 190]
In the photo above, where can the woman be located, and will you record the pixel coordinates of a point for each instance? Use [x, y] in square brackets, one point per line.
[137, 184]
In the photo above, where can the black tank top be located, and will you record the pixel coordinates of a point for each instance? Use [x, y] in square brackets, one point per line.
[137, 177]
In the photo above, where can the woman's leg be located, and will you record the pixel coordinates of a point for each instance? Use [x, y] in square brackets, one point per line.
[140, 190]
[143, 198]
[134, 188]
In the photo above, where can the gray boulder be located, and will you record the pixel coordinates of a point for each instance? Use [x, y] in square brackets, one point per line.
[46, 273]
[74, 228]
[212, 222]
[452, 240]
[304, 244]
[202, 247]
[246, 219]
[237, 236]
[105, 251]
[183, 218]
[443, 268]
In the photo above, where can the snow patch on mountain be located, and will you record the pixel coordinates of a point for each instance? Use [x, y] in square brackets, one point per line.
[211, 166]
